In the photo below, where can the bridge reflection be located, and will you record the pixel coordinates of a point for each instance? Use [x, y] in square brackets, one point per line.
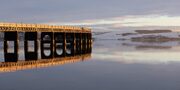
[23, 65]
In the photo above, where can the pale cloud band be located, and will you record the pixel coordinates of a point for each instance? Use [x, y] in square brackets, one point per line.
[128, 21]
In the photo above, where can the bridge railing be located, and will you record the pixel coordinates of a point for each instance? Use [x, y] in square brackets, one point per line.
[20, 27]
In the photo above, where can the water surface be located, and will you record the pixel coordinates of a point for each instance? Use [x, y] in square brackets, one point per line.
[114, 65]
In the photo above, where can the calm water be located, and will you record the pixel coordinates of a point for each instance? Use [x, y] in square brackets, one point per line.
[114, 65]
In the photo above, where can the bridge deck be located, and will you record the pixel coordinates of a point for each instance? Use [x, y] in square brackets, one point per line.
[5, 27]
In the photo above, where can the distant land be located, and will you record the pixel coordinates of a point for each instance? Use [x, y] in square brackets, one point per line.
[152, 31]
[146, 32]
[154, 38]
[155, 35]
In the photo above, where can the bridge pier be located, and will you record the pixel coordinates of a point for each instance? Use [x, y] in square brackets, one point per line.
[47, 50]
[11, 46]
[74, 42]
[31, 46]
[87, 38]
[89, 43]
[70, 44]
[84, 43]
[78, 42]
[59, 44]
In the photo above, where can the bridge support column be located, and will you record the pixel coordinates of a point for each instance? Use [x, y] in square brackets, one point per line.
[86, 50]
[84, 43]
[64, 44]
[31, 46]
[74, 43]
[47, 50]
[70, 44]
[11, 46]
[59, 44]
[89, 43]
[78, 43]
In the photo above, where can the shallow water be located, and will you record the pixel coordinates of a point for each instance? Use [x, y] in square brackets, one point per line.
[114, 65]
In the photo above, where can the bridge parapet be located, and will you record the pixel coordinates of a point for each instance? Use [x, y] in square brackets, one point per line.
[20, 27]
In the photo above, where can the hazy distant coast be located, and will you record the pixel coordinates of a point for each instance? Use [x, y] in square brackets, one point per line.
[140, 35]
[153, 36]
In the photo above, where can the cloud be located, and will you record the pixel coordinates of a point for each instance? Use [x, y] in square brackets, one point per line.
[128, 21]
[42, 11]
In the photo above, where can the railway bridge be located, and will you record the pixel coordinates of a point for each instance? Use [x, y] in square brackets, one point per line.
[78, 40]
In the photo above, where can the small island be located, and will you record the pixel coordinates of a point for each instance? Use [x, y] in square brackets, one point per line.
[152, 31]
[154, 38]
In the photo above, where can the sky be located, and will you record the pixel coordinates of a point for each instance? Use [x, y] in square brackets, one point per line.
[98, 14]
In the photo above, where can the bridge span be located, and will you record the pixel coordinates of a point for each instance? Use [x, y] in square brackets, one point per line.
[78, 40]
